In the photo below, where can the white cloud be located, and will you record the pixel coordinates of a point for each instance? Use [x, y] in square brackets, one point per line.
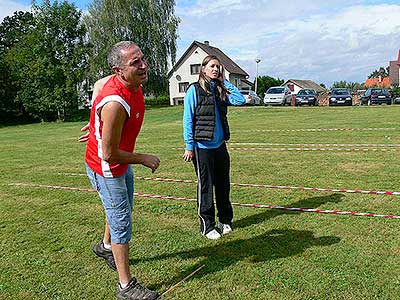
[8, 7]
[325, 41]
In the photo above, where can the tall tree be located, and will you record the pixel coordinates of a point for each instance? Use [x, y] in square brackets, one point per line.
[50, 61]
[12, 30]
[152, 24]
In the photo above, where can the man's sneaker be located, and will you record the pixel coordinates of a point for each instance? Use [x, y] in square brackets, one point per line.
[225, 228]
[135, 291]
[213, 235]
[102, 252]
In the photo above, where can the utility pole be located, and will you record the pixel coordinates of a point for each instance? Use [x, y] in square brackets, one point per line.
[257, 61]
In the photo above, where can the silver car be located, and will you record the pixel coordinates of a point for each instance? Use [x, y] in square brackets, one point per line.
[251, 97]
[278, 95]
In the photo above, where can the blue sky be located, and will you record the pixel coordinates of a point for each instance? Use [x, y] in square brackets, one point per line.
[320, 40]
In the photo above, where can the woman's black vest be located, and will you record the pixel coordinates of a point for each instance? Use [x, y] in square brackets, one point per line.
[204, 119]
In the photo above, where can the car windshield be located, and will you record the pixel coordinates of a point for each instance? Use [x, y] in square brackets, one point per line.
[306, 92]
[276, 91]
[340, 92]
[244, 92]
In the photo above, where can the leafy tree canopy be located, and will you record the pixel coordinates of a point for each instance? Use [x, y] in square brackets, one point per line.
[49, 61]
[151, 24]
[384, 72]
[351, 86]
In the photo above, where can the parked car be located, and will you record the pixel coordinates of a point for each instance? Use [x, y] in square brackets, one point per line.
[340, 96]
[278, 95]
[251, 97]
[396, 100]
[376, 96]
[306, 96]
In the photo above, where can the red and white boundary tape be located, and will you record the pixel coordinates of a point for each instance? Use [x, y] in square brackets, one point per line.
[310, 149]
[262, 185]
[319, 145]
[310, 210]
[315, 149]
[315, 129]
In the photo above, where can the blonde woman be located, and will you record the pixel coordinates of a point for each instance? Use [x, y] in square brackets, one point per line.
[205, 130]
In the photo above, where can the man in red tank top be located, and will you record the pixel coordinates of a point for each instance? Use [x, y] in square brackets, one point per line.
[115, 121]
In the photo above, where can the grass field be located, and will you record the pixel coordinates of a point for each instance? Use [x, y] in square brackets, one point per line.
[47, 235]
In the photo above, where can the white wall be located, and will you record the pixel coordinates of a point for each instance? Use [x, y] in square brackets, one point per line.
[184, 73]
[296, 88]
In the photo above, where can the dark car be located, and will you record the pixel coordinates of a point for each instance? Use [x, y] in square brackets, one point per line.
[340, 96]
[376, 96]
[306, 97]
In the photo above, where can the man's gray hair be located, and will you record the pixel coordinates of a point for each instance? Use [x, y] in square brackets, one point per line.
[114, 56]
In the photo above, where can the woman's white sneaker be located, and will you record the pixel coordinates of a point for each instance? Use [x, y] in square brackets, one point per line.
[224, 228]
[213, 235]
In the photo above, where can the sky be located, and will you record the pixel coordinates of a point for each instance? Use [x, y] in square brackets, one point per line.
[324, 41]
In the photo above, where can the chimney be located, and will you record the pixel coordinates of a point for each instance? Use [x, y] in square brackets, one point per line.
[398, 59]
[207, 43]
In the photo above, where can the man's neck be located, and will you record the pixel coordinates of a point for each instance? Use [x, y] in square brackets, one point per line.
[129, 85]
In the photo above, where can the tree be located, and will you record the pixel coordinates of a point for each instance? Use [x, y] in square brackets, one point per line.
[50, 61]
[352, 86]
[150, 23]
[265, 82]
[380, 72]
[12, 30]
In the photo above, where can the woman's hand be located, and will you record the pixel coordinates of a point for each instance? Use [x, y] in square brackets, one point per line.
[188, 155]
[221, 76]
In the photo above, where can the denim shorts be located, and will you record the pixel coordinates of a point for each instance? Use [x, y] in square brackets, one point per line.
[117, 197]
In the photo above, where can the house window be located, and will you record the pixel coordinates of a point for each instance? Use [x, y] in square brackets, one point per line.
[195, 69]
[183, 86]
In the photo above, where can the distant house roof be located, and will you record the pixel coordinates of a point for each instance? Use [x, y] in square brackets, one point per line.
[306, 84]
[379, 82]
[229, 64]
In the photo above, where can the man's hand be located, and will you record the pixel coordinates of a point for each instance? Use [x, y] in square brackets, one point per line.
[188, 155]
[84, 138]
[150, 161]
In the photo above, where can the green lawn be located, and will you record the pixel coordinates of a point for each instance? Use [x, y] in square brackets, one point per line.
[47, 235]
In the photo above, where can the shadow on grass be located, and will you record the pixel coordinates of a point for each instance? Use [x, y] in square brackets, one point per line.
[271, 245]
[313, 202]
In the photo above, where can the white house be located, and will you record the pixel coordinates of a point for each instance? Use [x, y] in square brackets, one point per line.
[187, 70]
[295, 85]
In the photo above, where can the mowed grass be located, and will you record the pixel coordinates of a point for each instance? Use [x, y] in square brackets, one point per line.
[47, 235]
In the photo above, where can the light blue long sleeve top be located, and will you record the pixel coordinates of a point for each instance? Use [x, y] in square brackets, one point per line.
[190, 104]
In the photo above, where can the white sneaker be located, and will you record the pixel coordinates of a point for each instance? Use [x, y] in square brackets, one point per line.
[213, 235]
[225, 228]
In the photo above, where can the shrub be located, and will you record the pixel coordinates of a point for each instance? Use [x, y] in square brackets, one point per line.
[157, 101]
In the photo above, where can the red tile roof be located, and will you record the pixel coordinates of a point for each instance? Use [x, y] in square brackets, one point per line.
[385, 82]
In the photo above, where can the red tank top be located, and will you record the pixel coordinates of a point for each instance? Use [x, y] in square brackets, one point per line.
[133, 103]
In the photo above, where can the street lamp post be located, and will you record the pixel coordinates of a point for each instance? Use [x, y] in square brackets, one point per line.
[257, 61]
